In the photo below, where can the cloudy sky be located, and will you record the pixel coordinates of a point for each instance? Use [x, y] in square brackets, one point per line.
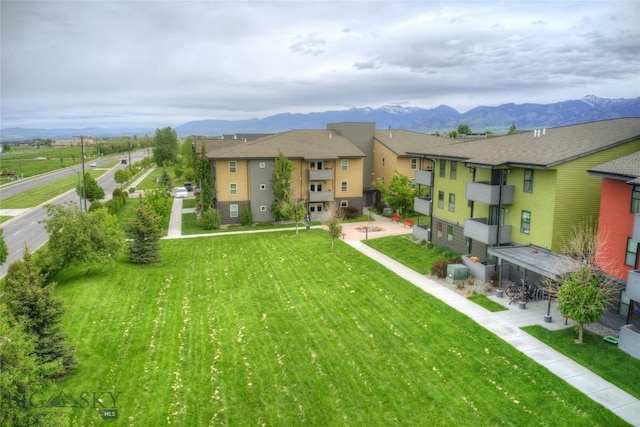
[163, 63]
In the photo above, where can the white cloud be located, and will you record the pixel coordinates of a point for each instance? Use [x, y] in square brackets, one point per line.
[97, 63]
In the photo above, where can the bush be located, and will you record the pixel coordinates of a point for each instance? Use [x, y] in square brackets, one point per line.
[118, 193]
[379, 207]
[246, 217]
[349, 212]
[210, 219]
[132, 190]
[439, 269]
[95, 205]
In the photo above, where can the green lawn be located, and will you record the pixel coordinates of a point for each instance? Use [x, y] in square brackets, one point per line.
[275, 329]
[597, 355]
[404, 250]
[46, 192]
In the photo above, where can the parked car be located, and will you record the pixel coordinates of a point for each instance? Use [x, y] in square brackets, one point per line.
[181, 193]
[93, 164]
[188, 186]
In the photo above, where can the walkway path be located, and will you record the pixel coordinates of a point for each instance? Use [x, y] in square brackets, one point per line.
[504, 324]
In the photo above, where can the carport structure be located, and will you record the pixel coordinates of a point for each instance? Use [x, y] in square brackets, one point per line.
[537, 260]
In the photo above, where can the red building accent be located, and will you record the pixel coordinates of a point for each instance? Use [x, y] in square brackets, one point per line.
[615, 226]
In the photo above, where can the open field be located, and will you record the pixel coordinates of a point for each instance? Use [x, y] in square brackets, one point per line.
[276, 329]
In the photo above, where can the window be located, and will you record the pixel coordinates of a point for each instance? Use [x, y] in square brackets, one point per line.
[233, 189]
[525, 222]
[263, 208]
[454, 170]
[452, 202]
[344, 165]
[233, 166]
[414, 163]
[315, 165]
[631, 257]
[263, 186]
[449, 233]
[439, 230]
[233, 211]
[315, 207]
[382, 179]
[383, 162]
[635, 199]
[443, 168]
[344, 185]
[344, 203]
[263, 165]
[528, 181]
[441, 199]
[315, 186]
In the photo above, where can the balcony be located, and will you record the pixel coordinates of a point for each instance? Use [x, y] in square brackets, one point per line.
[320, 175]
[635, 235]
[421, 232]
[633, 285]
[422, 206]
[424, 177]
[478, 229]
[488, 194]
[320, 196]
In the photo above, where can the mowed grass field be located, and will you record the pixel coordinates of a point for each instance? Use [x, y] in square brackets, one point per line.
[275, 329]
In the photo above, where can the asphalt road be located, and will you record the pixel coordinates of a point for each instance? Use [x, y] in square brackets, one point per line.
[27, 228]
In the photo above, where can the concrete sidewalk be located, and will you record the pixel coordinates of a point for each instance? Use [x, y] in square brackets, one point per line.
[507, 324]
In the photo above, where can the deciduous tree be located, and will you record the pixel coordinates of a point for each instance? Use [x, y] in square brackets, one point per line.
[398, 193]
[92, 189]
[83, 239]
[166, 146]
[204, 180]
[4, 251]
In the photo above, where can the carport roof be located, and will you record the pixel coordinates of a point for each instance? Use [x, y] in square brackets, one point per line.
[536, 259]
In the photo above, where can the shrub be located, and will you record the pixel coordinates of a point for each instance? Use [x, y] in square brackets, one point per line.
[95, 205]
[210, 219]
[349, 212]
[132, 189]
[118, 193]
[246, 217]
[440, 269]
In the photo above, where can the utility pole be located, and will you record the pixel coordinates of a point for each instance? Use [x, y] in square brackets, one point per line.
[84, 184]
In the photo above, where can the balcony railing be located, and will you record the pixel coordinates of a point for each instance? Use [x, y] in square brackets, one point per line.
[633, 285]
[478, 229]
[320, 175]
[424, 177]
[422, 206]
[486, 193]
[422, 233]
[320, 196]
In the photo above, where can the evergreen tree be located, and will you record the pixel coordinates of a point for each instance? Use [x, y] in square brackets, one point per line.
[281, 184]
[32, 303]
[203, 179]
[144, 232]
[20, 377]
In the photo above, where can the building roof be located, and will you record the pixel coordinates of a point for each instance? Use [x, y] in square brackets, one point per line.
[404, 142]
[536, 259]
[543, 148]
[295, 144]
[625, 168]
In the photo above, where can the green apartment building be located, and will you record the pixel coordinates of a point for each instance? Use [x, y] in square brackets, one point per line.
[526, 190]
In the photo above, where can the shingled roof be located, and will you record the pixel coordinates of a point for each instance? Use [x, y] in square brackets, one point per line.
[295, 144]
[404, 142]
[551, 147]
[626, 168]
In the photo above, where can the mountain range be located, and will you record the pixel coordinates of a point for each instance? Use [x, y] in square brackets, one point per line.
[439, 119]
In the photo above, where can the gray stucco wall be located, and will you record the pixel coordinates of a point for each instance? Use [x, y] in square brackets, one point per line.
[361, 135]
[260, 174]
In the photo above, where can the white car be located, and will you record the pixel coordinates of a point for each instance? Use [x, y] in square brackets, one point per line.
[181, 193]
[93, 164]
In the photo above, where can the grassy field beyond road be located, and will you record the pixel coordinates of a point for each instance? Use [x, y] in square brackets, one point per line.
[275, 329]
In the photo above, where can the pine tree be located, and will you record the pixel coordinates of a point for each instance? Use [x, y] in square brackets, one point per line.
[204, 180]
[33, 304]
[145, 233]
